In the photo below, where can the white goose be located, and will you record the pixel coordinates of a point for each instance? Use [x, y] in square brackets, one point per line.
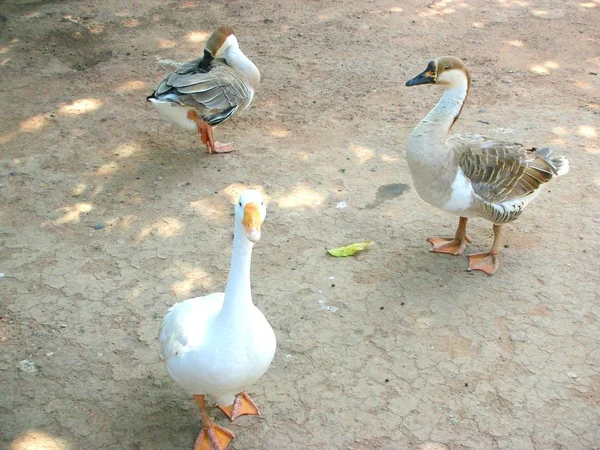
[219, 344]
[471, 176]
[209, 90]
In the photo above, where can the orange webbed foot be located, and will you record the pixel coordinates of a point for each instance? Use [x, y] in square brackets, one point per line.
[213, 437]
[451, 246]
[242, 405]
[486, 262]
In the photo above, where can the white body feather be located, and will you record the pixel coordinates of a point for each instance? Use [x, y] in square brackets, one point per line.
[174, 113]
[204, 355]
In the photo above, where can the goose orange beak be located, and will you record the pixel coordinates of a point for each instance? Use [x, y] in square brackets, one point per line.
[252, 222]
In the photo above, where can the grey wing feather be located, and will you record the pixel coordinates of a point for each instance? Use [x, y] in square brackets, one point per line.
[220, 89]
[501, 171]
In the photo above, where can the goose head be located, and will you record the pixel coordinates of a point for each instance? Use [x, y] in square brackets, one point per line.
[448, 71]
[250, 212]
[222, 39]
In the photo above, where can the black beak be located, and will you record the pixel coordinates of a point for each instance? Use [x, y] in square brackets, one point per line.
[425, 77]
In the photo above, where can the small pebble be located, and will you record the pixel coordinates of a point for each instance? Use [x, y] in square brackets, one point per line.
[99, 226]
[593, 73]
[332, 284]
[402, 303]
[267, 20]
[381, 307]
[387, 380]
[506, 245]
[12, 172]
[466, 384]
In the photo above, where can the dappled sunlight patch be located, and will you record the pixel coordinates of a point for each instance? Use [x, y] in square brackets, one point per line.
[132, 85]
[396, 9]
[165, 228]
[544, 69]
[209, 207]
[584, 85]
[79, 189]
[95, 28]
[301, 196]
[194, 278]
[197, 36]
[588, 5]
[516, 43]
[107, 169]
[38, 440]
[234, 190]
[592, 149]
[389, 158]
[520, 3]
[73, 213]
[539, 12]
[130, 23]
[587, 131]
[81, 106]
[478, 25]
[7, 137]
[561, 131]
[34, 123]
[363, 154]
[127, 150]
[278, 132]
[4, 61]
[166, 43]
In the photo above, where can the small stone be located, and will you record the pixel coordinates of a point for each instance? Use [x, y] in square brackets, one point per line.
[593, 73]
[572, 375]
[387, 380]
[27, 366]
[12, 172]
[341, 205]
[381, 307]
[332, 284]
[268, 20]
[402, 303]
[506, 245]
[99, 226]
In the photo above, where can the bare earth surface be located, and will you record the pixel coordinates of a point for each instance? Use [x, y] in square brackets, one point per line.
[110, 215]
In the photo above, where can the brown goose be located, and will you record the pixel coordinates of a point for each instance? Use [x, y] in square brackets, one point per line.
[209, 90]
[469, 175]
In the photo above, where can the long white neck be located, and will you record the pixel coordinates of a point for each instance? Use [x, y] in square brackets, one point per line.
[437, 124]
[238, 296]
[236, 59]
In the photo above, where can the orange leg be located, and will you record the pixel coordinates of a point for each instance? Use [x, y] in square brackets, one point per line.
[206, 134]
[212, 437]
[452, 246]
[487, 262]
[242, 405]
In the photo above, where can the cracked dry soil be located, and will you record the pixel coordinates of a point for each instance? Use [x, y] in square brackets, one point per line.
[109, 216]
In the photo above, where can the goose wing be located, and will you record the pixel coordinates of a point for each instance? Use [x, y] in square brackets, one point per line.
[501, 171]
[216, 90]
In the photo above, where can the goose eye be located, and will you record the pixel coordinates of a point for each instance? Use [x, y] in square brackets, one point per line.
[240, 203]
[262, 203]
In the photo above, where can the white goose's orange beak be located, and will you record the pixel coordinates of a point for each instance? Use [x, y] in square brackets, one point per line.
[252, 222]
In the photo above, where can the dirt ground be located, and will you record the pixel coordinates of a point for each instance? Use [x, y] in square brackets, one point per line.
[110, 215]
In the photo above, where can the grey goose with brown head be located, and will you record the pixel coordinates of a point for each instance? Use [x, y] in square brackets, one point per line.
[470, 175]
[209, 90]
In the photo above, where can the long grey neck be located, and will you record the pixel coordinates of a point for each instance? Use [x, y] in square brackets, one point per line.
[437, 124]
[238, 296]
[236, 59]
